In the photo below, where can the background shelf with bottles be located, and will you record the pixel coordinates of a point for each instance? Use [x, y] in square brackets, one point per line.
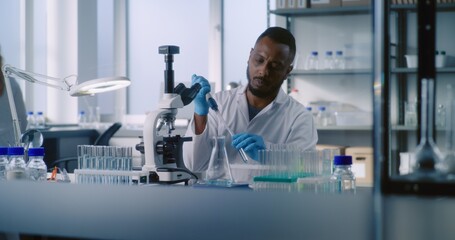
[403, 72]
[345, 89]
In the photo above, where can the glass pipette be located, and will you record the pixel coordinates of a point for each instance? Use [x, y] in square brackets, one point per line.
[214, 106]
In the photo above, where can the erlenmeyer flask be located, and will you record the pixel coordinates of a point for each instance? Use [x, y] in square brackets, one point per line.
[219, 171]
[428, 155]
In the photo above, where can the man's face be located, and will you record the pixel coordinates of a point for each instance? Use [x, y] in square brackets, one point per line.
[268, 66]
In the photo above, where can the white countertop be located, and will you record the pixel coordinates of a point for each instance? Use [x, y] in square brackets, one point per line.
[173, 212]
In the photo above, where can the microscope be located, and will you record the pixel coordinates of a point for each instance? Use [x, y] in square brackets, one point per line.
[163, 151]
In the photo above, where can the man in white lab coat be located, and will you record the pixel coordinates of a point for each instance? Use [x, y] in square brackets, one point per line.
[260, 114]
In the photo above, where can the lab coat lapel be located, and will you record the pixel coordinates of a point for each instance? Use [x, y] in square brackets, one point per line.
[242, 103]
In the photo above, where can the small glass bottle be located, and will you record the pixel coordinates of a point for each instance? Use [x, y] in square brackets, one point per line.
[82, 119]
[36, 168]
[323, 117]
[31, 123]
[339, 61]
[328, 61]
[343, 179]
[40, 120]
[16, 165]
[312, 62]
[3, 162]
[219, 171]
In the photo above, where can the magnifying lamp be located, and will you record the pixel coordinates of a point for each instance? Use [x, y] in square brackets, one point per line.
[68, 84]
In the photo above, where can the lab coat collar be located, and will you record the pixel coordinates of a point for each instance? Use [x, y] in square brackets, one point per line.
[243, 105]
[279, 99]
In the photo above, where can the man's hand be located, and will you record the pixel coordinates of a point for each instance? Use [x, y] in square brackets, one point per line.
[250, 143]
[201, 106]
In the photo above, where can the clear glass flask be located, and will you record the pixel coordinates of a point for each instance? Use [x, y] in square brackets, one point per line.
[428, 155]
[219, 171]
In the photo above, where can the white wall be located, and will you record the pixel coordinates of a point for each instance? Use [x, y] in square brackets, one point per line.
[156, 23]
[244, 21]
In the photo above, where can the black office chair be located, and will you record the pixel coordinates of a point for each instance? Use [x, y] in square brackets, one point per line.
[70, 163]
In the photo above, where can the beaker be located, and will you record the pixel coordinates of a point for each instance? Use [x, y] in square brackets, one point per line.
[219, 170]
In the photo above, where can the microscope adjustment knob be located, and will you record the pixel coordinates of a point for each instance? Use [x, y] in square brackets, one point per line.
[160, 147]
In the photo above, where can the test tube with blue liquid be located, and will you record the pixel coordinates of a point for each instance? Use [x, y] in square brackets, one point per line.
[214, 106]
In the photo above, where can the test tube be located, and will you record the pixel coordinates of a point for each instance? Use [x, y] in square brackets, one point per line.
[214, 106]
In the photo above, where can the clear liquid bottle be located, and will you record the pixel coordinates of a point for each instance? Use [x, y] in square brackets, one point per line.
[323, 118]
[3, 162]
[338, 61]
[312, 62]
[31, 123]
[82, 119]
[36, 168]
[328, 61]
[16, 165]
[40, 120]
[219, 171]
[343, 179]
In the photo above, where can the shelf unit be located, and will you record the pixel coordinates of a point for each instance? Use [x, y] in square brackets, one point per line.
[344, 134]
[298, 72]
[414, 70]
[289, 12]
[402, 26]
[413, 7]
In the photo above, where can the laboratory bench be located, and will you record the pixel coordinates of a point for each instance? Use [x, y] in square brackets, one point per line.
[175, 211]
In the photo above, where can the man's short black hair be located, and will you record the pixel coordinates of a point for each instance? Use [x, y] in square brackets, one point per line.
[280, 35]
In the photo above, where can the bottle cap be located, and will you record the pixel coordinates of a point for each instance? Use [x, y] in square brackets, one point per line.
[342, 160]
[15, 151]
[3, 150]
[36, 151]
[321, 108]
[30, 113]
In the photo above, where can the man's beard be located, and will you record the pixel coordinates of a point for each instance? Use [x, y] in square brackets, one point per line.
[256, 92]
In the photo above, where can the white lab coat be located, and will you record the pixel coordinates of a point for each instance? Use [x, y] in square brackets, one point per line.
[284, 121]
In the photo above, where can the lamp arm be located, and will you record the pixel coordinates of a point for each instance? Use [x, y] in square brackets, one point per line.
[59, 83]
[8, 71]
[12, 106]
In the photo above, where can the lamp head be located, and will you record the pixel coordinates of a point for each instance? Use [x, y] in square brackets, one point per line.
[100, 85]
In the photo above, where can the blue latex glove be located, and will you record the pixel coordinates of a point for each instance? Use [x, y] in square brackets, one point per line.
[201, 106]
[250, 143]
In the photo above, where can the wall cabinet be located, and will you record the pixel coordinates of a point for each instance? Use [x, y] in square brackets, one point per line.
[346, 29]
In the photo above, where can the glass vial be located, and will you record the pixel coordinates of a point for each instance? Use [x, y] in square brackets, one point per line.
[3, 162]
[219, 171]
[40, 120]
[312, 61]
[328, 61]
[16, 165]
[339, 61]
[82, 119]
[343, 179]
[30, 120]
[36, 168]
